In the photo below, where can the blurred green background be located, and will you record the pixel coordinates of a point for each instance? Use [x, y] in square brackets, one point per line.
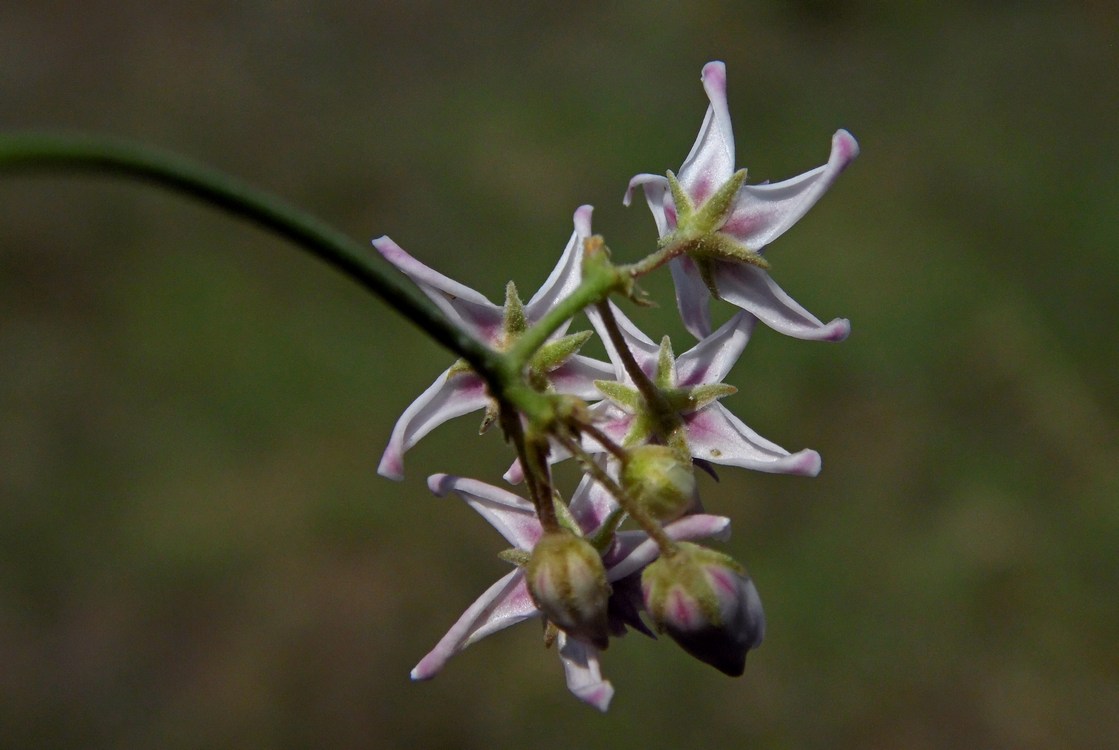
[196, 551]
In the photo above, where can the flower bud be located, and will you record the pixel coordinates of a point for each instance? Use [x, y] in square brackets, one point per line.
[705, 601]
[659, 481]
[567, 581]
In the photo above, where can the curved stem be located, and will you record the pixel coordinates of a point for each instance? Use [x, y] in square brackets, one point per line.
[666, 417]
[35, 152]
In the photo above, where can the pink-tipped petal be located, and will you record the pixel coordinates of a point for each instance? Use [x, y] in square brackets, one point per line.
[568, 271]
[583, 673]
[692, 296]
[711, 359]
[445, 399]
[656, 194]
[634, 549]
[505, 603]
[640, 345]
[592, 504]
[762, 213]
[459, 302]
[513, 516]
[711, 160]
[716, 435]
[576, 377]
[752, 289]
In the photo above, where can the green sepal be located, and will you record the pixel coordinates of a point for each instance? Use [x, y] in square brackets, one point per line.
[666, 365]
[702, 395]
[604, 537]
[684, 206]
[513, 321]
[493, 411]
[724, 247]
[715, 210]
[621, 394]
[460, 367]
[518, 557]
[556, 352]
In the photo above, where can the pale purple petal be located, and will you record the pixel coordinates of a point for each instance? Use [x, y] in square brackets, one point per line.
[633, 550]
[505, 603]
[710, 360]
[711, 161]
[576, 377]
[584, 676]
[656, 194]
[644, 351]
[592, 503]
[458, 302]
[516, 473]
[512, 515]
[613, 421]
[692, 296]
[716, 435]
[762, 213]
[567, 274]
[752, 289]
[445, 399]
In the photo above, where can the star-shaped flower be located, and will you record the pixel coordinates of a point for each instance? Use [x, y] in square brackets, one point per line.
[507, 602]
[459, 390]
[729, 224]
[692, 385]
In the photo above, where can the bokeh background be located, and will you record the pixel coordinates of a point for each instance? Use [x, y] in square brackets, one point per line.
[196, 551]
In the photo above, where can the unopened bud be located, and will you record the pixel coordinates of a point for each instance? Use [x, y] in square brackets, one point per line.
[567, 581]
[659, 481]
[705, 601]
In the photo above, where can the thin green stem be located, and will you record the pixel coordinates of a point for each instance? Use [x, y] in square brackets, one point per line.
[655, 400]
[594, 288]
[674, 247]
[36, 152]
[647, 523]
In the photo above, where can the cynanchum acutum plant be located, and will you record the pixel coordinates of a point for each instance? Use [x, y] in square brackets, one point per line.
[637, 424]
[623, 545]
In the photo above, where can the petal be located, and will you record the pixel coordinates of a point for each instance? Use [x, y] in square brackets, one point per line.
[716, 435]
[584, 676]
[710, 360]
[634, 549]
[576, 377]
[763, 213]
[445, 399]
[460, 303]
[711, 161]
[640, 345]
[592, 503]
[752, 289]
[568, 271]
[505, 603]
[692, 296]
[512, 515]
[656, 194]
[607, 417]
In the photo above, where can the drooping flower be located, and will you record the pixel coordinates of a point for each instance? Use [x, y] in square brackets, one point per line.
[692, 384]
[458, 390]
[729, 223]
[508, 601]
[705, 601]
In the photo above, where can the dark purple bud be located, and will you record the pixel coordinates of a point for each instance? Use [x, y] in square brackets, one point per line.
[706, 603]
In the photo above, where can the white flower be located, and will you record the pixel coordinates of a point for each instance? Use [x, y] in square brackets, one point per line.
[728, 234]
[459, 390]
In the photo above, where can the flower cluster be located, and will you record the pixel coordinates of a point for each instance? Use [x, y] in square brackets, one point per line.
[624, 545]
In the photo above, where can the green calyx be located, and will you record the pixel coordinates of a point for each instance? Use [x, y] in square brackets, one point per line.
[660, 481]
[686, 571]
[650, 424]
[698, 229]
